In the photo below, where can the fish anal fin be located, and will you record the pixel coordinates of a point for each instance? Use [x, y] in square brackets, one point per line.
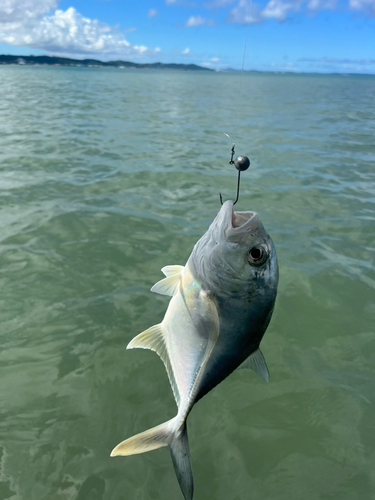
[167, 286]
[171, 270]
[257, 363]
[154, 339]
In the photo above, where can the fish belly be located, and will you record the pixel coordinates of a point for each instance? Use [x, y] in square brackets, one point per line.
[191, 327]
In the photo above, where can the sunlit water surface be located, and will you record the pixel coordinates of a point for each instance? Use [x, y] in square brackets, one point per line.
[107, 176]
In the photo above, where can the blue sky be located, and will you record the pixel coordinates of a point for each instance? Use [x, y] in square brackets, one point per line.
[282, 35]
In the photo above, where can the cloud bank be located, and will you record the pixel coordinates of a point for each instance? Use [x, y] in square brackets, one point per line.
[40, 24]
[247, 11]
[37, 24]
[19, 10]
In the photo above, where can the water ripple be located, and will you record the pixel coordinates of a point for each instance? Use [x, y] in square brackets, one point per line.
[105, 177]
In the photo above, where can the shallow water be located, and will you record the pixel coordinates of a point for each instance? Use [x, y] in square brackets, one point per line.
[108, 175]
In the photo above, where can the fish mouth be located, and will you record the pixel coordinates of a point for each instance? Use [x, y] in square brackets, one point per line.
[239, 222]
[240, 219]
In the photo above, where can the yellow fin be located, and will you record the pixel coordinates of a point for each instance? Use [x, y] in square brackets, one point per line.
[171, 270]
[154, 339]
[167, 286]
[145, 441]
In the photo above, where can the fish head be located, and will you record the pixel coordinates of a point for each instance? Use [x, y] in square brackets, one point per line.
[236, 256]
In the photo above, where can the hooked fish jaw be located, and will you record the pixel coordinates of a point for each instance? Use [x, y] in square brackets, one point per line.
[221, 257]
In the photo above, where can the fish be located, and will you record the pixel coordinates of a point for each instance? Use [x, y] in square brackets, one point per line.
[221, 304]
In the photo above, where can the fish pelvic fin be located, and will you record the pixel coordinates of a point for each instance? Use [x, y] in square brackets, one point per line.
[257, 363]
[169, 433]
[180, 453]
[154, 338]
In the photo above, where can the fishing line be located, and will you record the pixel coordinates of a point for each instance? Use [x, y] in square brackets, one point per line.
[242, 162]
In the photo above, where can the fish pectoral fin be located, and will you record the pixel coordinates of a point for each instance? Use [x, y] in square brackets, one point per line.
[257, 363]
[171, 270]
[154, 339]
[167, 286]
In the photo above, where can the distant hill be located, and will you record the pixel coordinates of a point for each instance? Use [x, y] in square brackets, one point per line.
[93, 63]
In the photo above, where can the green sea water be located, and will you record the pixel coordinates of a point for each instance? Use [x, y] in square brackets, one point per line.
[108, 175]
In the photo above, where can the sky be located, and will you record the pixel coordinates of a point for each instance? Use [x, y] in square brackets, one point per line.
[266, 35]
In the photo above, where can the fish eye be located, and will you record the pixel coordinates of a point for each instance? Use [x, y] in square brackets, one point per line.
[258, 255]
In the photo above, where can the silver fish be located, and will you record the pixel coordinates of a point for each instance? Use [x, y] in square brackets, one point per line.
[222, 302]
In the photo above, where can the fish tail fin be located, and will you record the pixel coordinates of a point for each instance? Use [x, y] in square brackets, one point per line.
[171, 434]
[180, 453]
[152, 439]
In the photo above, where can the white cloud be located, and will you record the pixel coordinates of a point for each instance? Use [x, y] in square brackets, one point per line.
[18, 10]
[279, 9]
[198, 21]
[186, 51]
[245, 12]
[66, 32]
[367, 6]
[321, 4]
[152, 12]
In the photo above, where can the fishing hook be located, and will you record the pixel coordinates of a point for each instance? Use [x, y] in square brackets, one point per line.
[241, 163]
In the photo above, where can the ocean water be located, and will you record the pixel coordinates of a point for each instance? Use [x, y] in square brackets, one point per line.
[108, 175]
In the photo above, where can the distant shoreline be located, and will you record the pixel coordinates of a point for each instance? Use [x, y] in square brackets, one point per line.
[93, 63]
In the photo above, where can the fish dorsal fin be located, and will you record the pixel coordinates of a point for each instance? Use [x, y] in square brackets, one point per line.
[257, 363]
[167, 286]
[154, 339]
[171, 270]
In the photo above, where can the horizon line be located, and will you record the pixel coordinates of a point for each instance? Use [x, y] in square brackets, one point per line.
[116, 63]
